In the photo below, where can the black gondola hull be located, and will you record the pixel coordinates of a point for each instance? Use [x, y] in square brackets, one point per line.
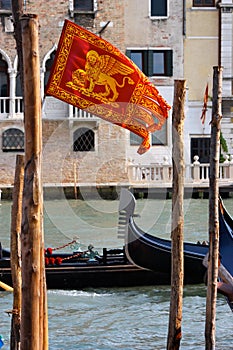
[80, 277]
[155, 254]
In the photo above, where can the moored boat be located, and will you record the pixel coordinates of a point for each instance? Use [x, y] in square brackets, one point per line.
[86, 269]
[154, 253]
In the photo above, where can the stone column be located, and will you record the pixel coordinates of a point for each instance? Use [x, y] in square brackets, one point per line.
[12, 76]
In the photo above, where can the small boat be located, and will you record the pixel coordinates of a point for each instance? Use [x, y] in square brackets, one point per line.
[154, 253]
[225, 238]
[225, 284]
[87, 269]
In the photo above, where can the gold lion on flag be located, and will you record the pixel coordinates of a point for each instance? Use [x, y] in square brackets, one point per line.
[98, 71]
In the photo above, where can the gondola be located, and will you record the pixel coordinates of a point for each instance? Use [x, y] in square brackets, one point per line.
[225, 238]
[150, 252]
[225, 254]
[81, 270]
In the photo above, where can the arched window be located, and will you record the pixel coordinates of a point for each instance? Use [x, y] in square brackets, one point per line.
[4, 86]
[48, 67]
[83, 140]
[4, 78]
[12, 140]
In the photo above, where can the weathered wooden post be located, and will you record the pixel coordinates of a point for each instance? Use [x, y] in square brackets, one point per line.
[213, 211]
[16, 220]
[34, 314]
[17, 12]
[177, 234]
[75, 179]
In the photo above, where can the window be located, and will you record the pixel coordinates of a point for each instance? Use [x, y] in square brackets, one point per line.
[200, 146]
[135, 140]
[19, 94]
[159, 137]
[83, 140]
[13, 140]
[48, 67]
[153, 62]
[204, 3]
[158, 8]
[4, 86]
[158, 63]
[5, 4]
[4, 78]
[83, 5]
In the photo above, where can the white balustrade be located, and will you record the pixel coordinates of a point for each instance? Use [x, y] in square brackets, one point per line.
[11, 107]
[150, 173]
[77, 113]
[196, 173]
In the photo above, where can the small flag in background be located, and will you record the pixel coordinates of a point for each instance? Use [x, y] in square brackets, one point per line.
[91, 74]
[204, 109]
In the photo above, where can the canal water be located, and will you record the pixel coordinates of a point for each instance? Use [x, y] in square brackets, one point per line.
[119, 318]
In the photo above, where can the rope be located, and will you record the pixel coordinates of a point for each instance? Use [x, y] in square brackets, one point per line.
[58, 260]
[65, 245]
[75, 255]
[49, 251]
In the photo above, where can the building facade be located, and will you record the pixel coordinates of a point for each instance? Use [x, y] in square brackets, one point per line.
[168, 40]
[207, 43]
[76, 145]
[225, 10]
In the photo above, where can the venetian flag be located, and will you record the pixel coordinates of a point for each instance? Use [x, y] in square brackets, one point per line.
[204, 109]
[91, 74]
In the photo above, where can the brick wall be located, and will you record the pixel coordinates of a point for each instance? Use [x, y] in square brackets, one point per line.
[107, 163]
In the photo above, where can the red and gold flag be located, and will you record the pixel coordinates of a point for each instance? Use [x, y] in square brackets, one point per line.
[205, 101]
[91, 74]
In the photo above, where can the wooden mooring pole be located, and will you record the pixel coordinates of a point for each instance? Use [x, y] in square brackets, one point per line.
[17, 11]
[75, 179]
[213, 211]
[16, 220]
[177, 235]
[34, 334]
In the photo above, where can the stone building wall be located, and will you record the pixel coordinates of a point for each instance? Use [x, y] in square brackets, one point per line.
[112, 11]
[8, 159]
[107, 164]
[143, 31]
[52, 14]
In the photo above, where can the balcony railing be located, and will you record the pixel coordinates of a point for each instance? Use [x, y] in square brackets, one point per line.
[11, 107]
[196, 174]
[79, 114]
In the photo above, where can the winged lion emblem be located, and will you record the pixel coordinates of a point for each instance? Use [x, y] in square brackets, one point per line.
[99, 71]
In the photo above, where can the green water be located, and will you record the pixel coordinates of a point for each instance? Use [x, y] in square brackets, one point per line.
[129, 318]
